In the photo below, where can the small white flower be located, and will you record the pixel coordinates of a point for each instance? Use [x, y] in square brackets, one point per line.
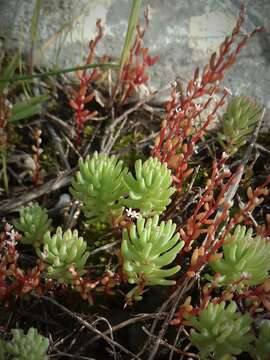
[133, 214]
[229, 91]
[198, 107]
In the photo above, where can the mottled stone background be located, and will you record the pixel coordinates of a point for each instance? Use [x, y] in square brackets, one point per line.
[183, 32]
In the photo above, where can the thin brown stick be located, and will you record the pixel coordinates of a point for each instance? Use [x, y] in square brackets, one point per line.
[60, 353]
[176, 299]
[132, 321]
[90, 327]
[171, 347]
[12, 204]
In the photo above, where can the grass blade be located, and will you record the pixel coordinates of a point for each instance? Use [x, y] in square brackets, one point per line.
[9, 71]
[131, 31]
[27, 108]
[33, 32]
[5, 79]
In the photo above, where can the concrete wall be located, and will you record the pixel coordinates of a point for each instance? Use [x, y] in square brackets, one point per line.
[183, 32]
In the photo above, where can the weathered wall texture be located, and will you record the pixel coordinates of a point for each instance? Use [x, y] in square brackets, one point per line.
[183, 32]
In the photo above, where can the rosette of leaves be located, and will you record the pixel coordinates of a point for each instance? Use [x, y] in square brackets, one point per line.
[220, 330]
[62, 251]
[98, 185]
[150, 190]
[2, 350]
[238, 122]
[30, 346]
[146, 249]
[33, 223]
[261, 349]
[245, 259]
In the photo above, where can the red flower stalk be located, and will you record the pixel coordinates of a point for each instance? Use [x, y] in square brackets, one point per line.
[5, 111]
[258, 296]
[179, 135]
[134, 71]
[211, 245]
[85, 95]
[83, 285]
[203, 220]
[264, 229]
[13, 280]
[37, 177]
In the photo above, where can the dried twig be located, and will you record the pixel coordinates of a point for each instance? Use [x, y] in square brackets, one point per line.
[90, 327]
[171, 347]
[12, 204]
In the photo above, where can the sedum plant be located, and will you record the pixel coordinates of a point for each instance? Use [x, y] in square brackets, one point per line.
[220, 330]
[238, 122]
[31, 346]
[245, 258]
[33, 223]
[99, 186]
[150, 190]
[2, 350]
[146, 248]
[261, 350]
[62, 251]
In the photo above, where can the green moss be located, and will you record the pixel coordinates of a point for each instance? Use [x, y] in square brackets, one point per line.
[126, 147]
[48, 159]
[88, 131]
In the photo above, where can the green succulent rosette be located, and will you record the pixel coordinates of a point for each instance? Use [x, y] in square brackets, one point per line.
[62, 251]
[238, 123]
[30, 346]
[261, 350]
[245, 259]
[151, 189]
[146, 249]
[98, 185]
[220, 330]
[33, 224]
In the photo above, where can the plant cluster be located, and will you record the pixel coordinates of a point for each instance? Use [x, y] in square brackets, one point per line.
[159, 226]
[241, 116]
[63, 251]
[104, 187]
[33, 223]
[30, 346]
[99, 185]
[245, 259]
[146, 248]
[221, 330]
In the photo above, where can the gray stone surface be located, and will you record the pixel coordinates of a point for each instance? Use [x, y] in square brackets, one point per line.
[183, 32]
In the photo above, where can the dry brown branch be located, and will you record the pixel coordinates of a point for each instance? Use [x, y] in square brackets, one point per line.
[90, 327]
[12, 204]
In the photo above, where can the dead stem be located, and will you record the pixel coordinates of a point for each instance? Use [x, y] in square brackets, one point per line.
[12, 204]
[89, 326]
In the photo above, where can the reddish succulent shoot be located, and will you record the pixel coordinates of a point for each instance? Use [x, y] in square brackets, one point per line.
[176, 141]
[83, 285]
[14, 281]
[85, 95]
[134, 72]
[37, 176]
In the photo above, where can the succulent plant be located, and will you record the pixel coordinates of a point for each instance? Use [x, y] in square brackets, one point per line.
[238, 122]
[245, 257]
[261, 350]
[150, 190]
[98, 184]
[148, 247]
[61, 251]
[2, 350]
[220, 330]
[33, 223]
[31, 346]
